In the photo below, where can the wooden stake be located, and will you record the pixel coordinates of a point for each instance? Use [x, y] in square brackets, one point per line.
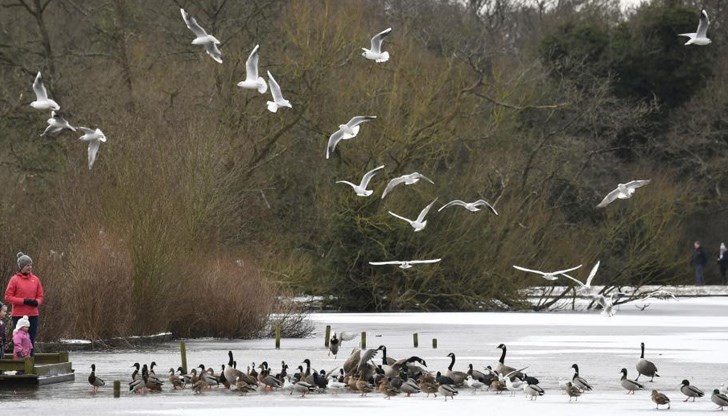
[117, 389]
[434, 343]
[278, 336]
[327, 336]
[363, 340]
[183, 355]
[415, 340]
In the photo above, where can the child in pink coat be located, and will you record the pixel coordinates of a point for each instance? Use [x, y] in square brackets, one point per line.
[21, 339]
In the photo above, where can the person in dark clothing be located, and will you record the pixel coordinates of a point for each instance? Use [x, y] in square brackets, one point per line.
[723, 263]
[698, 261]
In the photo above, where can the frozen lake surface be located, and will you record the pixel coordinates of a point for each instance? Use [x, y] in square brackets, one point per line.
[686, 340]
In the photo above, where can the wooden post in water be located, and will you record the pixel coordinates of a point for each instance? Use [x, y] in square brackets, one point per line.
[278, 336]
[415, 340]
[363, 340]
[117, 389]
[183, 353]
[434, 343]
[327, 336]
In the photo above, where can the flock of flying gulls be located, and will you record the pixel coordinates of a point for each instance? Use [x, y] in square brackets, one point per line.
[363, 372]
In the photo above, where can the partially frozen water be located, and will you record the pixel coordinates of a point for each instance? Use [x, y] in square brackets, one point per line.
[685, 339]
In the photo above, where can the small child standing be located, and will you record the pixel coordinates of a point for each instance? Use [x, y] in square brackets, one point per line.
[3, 331]
[21, 339]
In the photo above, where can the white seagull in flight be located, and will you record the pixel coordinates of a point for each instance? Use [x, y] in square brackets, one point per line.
[375, 53]
[623, 191]
[547, 275]
[345, 132]
[94, 139]
[56, 124]
[410, 179]
[403, 264]
[202, 38]
[278, 100]
[470, 206]
[420, 223]
[252, 80]
[42, 102]
[587, 285]
[361, 189]
[700, 37]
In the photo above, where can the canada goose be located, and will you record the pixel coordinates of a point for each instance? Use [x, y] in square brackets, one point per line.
[645, 367]
[533, 391]
[572, 391]
[447, 390]
[351, 363]
[690, 391]
[94, 381]
[176, 381]
[334, 345]
[629, 385]
[223, 380]
[719, 398]
[385, 359]
[367, 355]
[229, 371]
[393, 369]
[504, 369]
[660, 398]
[579, 381]
[457, 376]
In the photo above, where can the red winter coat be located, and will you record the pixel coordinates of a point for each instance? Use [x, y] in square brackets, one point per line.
[23, 287]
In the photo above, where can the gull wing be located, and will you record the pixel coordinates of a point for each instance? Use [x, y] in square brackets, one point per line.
[392, 183]
[251, 65]
[333, 140]
[353, 185]
[400, 217]
[425, 210]
[575, 280]
[565, 271]
[212, 50]
[421, 176]
[275, 89]
[93, 149]
[703, 24]
[355, 121]
[39, 88]
[592, 274]
[347, 336]
[483, 202]
[637, 184]
[384, 263]
[368, 176]
[377, 40]
[451, 203]
[192, 24]
[513, 372]
[87, 130]
[609, 198]
[527, 270]
[424, 261]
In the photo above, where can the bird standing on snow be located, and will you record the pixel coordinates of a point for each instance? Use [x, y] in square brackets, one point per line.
[202, 38]
[375, 52]
[252, 80]
[629, 385]
[719, 398]
[690, 391]
[700, 37]
[42, 102]
[660, 398]
[645, 367]
[623, 191]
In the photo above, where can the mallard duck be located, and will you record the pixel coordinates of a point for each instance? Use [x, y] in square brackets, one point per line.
[442, 379]
[572, 391]
[629, 385]
[533, 391]
[447, 391]
[410, 387]
[186, 378]
[303, 388]
[94, 381]
[176, 381]
[501, 368]
[660, 398]
[457, 376]
[719, 398]
[645, 367]
[429, 387]
[137, 384]
[248, 379]
[691, 391]
[578, 381]
[242, 386]
[477, 375]
[151, 381]
[364, 387]
[270, 381]
[208, 375]
[390, 391]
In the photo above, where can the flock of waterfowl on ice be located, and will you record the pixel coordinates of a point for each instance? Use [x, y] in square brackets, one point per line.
[364, 373]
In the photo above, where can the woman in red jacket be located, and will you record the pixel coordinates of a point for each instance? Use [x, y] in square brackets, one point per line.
[25, 294]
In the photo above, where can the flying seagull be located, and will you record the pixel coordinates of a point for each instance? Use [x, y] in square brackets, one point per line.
[547, 275]
[403, 264]
[202, 38]
[361, 189]
[701, 36]
[587, 285]
[470, 206]
[252, 80]
[42, 102]
[410, 179]
[608, 309]
[345, 132]
[420, 223]
[375, 52]
[278, 100]
[94, 139]
[623, 191]
[56, 124]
